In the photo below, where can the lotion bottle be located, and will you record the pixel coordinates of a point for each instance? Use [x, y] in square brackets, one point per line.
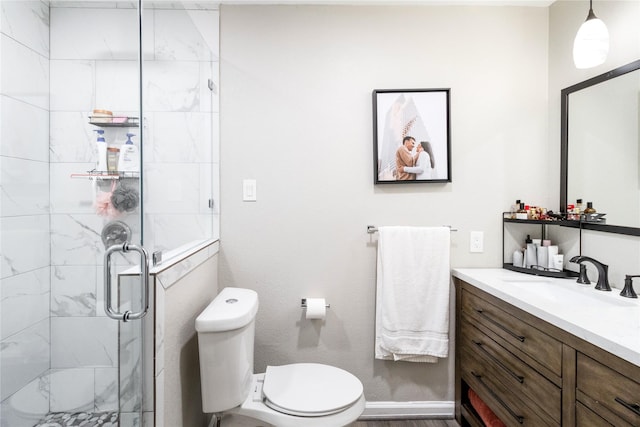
[101, 165]
[129, 160]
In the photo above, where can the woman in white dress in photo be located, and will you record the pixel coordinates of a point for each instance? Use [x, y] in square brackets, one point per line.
[425, 164]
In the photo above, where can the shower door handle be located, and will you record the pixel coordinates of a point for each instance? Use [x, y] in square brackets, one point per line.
[144, 282]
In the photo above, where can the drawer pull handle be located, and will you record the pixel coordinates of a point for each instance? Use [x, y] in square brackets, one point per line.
[634, 407]
[497, 361]
[499, 325]
[519, 418]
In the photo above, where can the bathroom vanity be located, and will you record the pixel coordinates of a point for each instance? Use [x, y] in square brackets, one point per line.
[543, 351]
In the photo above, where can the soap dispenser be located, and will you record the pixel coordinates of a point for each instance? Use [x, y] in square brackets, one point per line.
[129, 160]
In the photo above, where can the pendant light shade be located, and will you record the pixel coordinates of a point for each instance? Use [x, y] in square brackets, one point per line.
[591, 45]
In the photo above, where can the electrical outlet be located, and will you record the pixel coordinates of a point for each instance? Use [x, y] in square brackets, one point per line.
[476, 241]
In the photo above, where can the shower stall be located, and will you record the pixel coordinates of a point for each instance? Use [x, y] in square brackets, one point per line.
[77, 222]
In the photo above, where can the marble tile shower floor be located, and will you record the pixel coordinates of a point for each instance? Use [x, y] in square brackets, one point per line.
[79, 419]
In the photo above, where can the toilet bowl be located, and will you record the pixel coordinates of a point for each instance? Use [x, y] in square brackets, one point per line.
[291, 401]
[300, 394]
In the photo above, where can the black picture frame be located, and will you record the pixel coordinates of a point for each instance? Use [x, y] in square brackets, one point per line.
[424, 115]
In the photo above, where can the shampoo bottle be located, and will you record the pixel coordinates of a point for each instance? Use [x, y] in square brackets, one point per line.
[101, 164]
[129, 160]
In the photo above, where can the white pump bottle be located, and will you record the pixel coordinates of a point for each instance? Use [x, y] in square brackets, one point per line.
[129, 160]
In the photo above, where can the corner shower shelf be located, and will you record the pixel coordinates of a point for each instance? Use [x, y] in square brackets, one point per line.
[115, 122]
[104, 175]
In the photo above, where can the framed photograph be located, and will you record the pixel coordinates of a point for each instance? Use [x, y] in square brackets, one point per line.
[411, 136]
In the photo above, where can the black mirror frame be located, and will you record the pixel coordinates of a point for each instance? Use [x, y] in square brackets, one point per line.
[564, 144]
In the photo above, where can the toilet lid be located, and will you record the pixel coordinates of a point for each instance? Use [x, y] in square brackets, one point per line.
[310, 389]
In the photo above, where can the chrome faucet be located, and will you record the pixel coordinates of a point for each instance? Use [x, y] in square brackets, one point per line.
[603, 272]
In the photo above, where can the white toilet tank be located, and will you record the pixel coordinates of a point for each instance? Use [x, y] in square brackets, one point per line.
[226, 330]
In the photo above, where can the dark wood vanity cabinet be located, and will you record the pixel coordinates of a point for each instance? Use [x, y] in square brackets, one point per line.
[531, 373]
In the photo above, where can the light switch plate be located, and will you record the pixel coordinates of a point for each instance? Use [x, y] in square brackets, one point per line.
[249, 190]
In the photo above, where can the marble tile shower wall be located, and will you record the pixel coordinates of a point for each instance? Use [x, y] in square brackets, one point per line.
[24, 203]
[62, 355]
[93, 58]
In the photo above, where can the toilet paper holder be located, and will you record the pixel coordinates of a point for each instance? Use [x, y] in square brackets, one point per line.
[303, 303]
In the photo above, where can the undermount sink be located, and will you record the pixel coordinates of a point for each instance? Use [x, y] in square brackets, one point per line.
[570, 292]
[527, 280]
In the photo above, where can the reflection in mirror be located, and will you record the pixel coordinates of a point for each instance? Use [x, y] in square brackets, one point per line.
[600, 146]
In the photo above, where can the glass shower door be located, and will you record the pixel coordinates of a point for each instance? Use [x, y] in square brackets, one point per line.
[96, 103]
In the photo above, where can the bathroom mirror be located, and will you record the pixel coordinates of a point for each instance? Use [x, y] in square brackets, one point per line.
[600, 147]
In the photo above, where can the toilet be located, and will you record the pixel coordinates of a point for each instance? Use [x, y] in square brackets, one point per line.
[299, 394]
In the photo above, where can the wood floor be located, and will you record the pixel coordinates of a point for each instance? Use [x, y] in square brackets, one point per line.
[240, 421]
[407, 423]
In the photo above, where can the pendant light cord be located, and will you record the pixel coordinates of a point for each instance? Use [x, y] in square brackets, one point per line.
[591, 15]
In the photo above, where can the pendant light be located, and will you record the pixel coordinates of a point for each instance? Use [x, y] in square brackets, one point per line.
[591, 45]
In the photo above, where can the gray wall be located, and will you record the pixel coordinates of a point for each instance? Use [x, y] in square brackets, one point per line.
[296, 96]
[181, 402]
[296, 86]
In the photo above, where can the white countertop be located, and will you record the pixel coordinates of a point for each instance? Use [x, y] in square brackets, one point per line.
[604, 319]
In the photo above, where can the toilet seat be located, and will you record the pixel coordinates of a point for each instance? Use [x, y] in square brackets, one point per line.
[310, 389]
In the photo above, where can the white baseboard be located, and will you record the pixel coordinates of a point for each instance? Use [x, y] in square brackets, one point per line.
[408, 410]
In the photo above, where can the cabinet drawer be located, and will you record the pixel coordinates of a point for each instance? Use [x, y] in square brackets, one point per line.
[531, 341]
[519, 377]
[507, 405]
[587, 418]
[608, 390]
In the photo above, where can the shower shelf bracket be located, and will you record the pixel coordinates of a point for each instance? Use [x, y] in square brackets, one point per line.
[116, 121]
[106, 176]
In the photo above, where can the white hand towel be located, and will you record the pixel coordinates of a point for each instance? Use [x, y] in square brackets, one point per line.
[412, 296]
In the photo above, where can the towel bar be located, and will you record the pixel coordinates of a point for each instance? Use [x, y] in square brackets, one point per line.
[373, 229]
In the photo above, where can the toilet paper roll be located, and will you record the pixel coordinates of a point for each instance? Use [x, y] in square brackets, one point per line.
[316, 308]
